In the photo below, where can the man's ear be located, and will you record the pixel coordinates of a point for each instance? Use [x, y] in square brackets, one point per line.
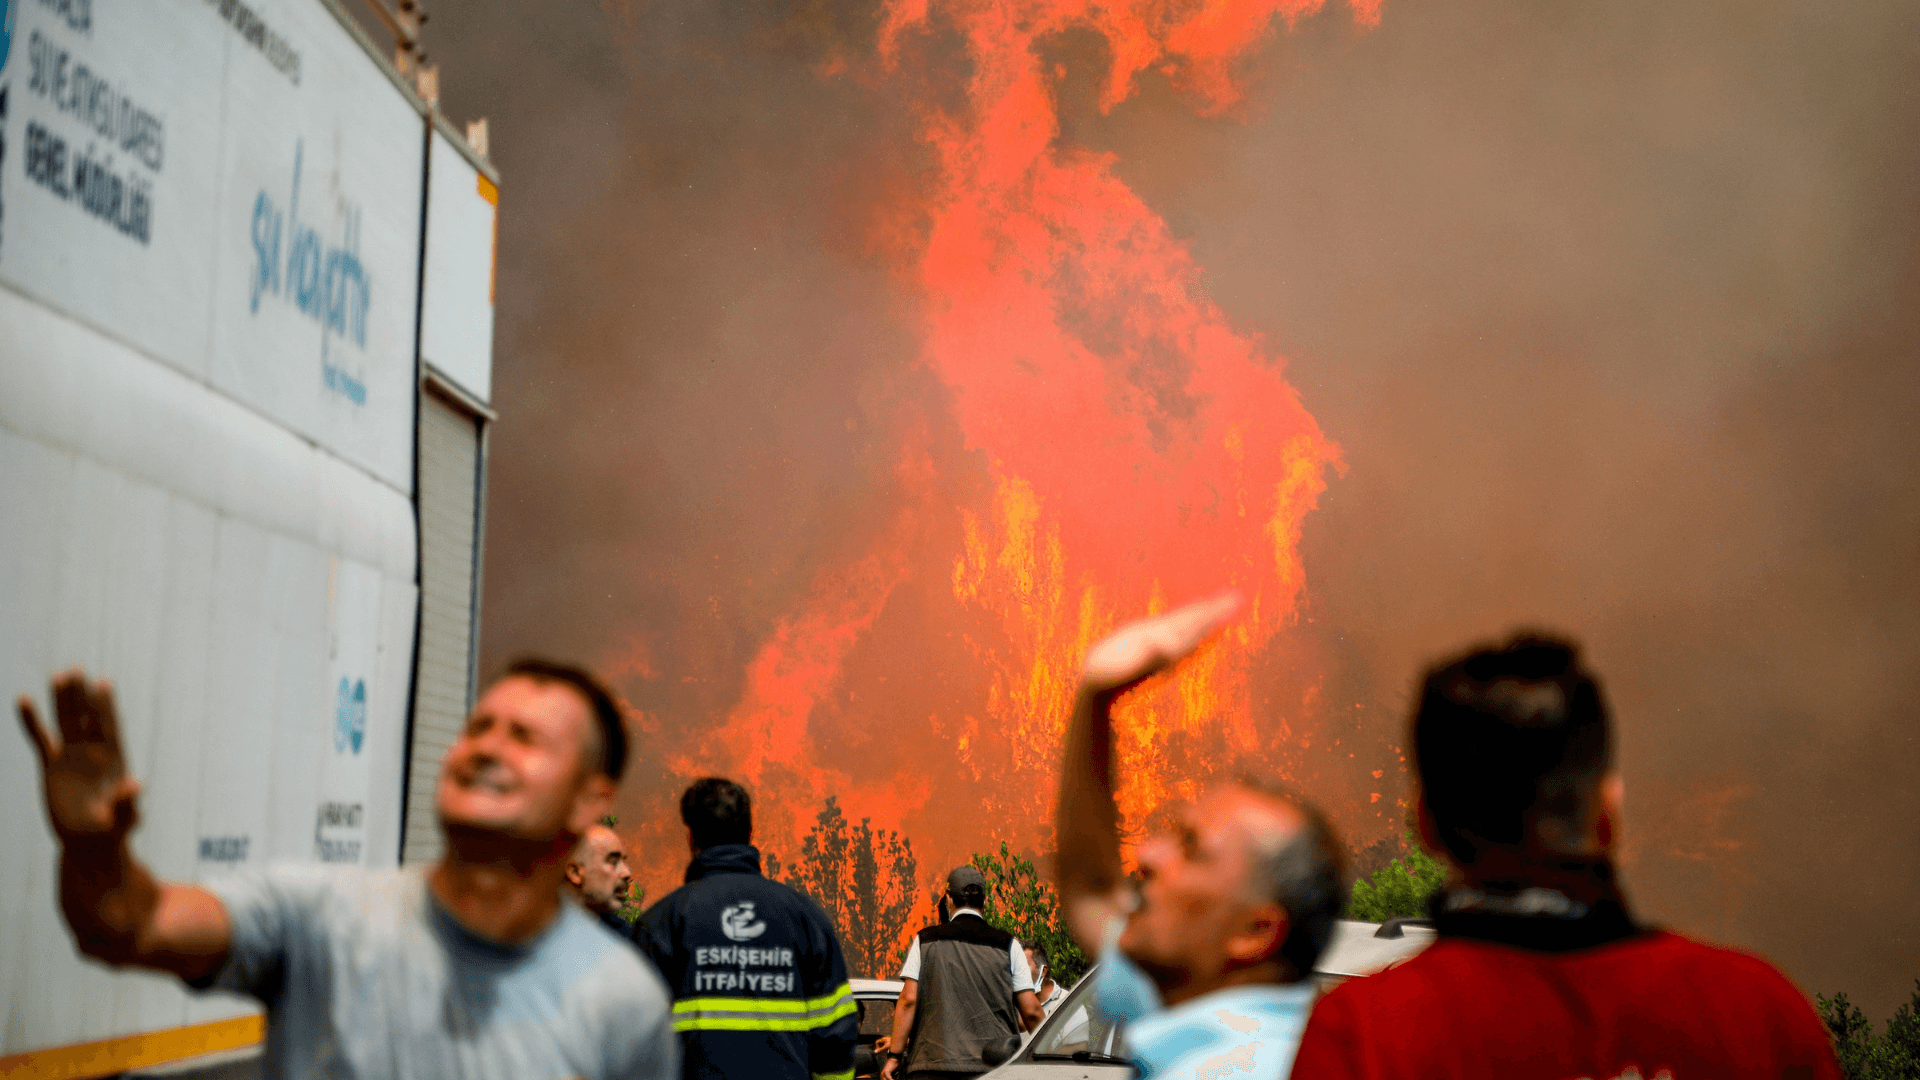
[576, 877]
[1606, 825]
[1259, 935]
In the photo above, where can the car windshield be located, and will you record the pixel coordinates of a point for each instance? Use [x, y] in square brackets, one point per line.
[1076, 1029]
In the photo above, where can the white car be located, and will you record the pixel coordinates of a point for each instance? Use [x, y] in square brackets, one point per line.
[1077, 1043]
[875, 999]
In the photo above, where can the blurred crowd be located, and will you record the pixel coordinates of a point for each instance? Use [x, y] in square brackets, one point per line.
[510, 957]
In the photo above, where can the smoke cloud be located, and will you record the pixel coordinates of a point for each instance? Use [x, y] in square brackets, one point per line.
[1608, 310]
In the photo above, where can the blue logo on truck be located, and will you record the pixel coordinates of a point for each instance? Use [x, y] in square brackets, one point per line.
[350, 715]
[323, 279]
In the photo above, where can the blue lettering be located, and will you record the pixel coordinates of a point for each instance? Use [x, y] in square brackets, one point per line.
[326, 283]
[266, 249]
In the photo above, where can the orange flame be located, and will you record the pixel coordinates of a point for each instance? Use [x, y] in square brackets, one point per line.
[1141, 449]
[1141, 452]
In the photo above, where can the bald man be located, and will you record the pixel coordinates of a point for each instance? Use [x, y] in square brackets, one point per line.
[599, 877]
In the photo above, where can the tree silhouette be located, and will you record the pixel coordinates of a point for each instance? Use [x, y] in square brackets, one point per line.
[863, 878]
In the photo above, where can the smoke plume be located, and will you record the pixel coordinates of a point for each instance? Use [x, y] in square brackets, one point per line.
[1419, 322]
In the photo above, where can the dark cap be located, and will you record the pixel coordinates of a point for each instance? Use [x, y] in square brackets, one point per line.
[965, 878]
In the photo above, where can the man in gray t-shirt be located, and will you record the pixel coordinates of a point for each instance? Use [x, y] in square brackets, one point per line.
[473, 968]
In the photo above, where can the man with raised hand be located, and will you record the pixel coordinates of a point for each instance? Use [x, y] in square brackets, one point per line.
[1207, 954]
[475, 968]
[1541, 971]
[599, 877]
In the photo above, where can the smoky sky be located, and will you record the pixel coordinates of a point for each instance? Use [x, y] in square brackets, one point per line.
[1611, 310]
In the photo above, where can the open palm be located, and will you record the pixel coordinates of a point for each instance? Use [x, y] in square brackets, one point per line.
[89, 794]
[1142, 649]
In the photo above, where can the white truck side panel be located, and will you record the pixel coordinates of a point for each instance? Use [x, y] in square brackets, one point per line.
[209, 267]
[250, 593]
[259, 227]
[456, 318]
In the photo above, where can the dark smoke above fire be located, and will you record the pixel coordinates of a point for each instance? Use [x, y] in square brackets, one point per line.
[858, 362]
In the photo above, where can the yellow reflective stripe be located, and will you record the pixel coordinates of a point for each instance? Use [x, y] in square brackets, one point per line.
[844, 990]
[760, 1014]
[761, 1023]
[698, 1023]
[846, 1008]
[764, 1005]
[847, 1075]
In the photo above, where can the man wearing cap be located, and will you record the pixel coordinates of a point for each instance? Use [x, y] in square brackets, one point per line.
[967, 987]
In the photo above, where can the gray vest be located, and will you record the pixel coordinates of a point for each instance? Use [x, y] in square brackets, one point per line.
[966, 996]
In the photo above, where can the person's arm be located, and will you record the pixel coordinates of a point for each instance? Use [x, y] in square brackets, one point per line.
[903, 1010]
[1024, 1001]
[1031, 1014]
[118, 911]
[1092, 884]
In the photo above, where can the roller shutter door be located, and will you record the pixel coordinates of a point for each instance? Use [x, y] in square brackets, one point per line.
[451, 463]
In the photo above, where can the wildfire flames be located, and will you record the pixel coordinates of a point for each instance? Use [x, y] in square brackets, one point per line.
[1140, 452]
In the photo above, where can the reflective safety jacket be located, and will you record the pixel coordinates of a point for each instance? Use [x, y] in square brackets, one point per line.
[759, 986]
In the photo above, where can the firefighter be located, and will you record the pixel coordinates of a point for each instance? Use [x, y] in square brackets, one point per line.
[760, 987]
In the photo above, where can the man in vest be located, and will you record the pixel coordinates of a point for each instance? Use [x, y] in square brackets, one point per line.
[967, 986]
[759, 985]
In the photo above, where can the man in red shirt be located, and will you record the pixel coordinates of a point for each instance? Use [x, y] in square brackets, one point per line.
[1540, 971]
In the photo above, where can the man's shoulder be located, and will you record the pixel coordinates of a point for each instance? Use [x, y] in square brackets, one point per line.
[1729, 971]
[725, 889]
[1654, 957]
[588, 958]
[319, 887]
[968, 930]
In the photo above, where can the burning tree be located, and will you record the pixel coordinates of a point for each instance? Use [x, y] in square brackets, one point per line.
[1023, 904]
[863, 878]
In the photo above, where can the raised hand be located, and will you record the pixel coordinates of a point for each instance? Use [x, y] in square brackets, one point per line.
[89, 795]
[1139, 650]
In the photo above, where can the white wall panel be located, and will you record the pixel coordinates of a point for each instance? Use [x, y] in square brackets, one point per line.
[318, 244]
[143, 273]
[227, 587]
[456, 320]
[209, 268]
[260, 229]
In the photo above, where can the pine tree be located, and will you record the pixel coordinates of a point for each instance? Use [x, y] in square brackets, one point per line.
[863, 879]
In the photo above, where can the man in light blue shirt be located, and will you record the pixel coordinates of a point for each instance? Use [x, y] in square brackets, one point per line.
[473, 969]
[1207, 955]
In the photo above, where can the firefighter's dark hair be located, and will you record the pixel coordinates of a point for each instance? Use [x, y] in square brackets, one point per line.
[717, 811]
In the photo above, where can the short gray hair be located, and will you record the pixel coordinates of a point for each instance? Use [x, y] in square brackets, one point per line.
[1305, 873]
